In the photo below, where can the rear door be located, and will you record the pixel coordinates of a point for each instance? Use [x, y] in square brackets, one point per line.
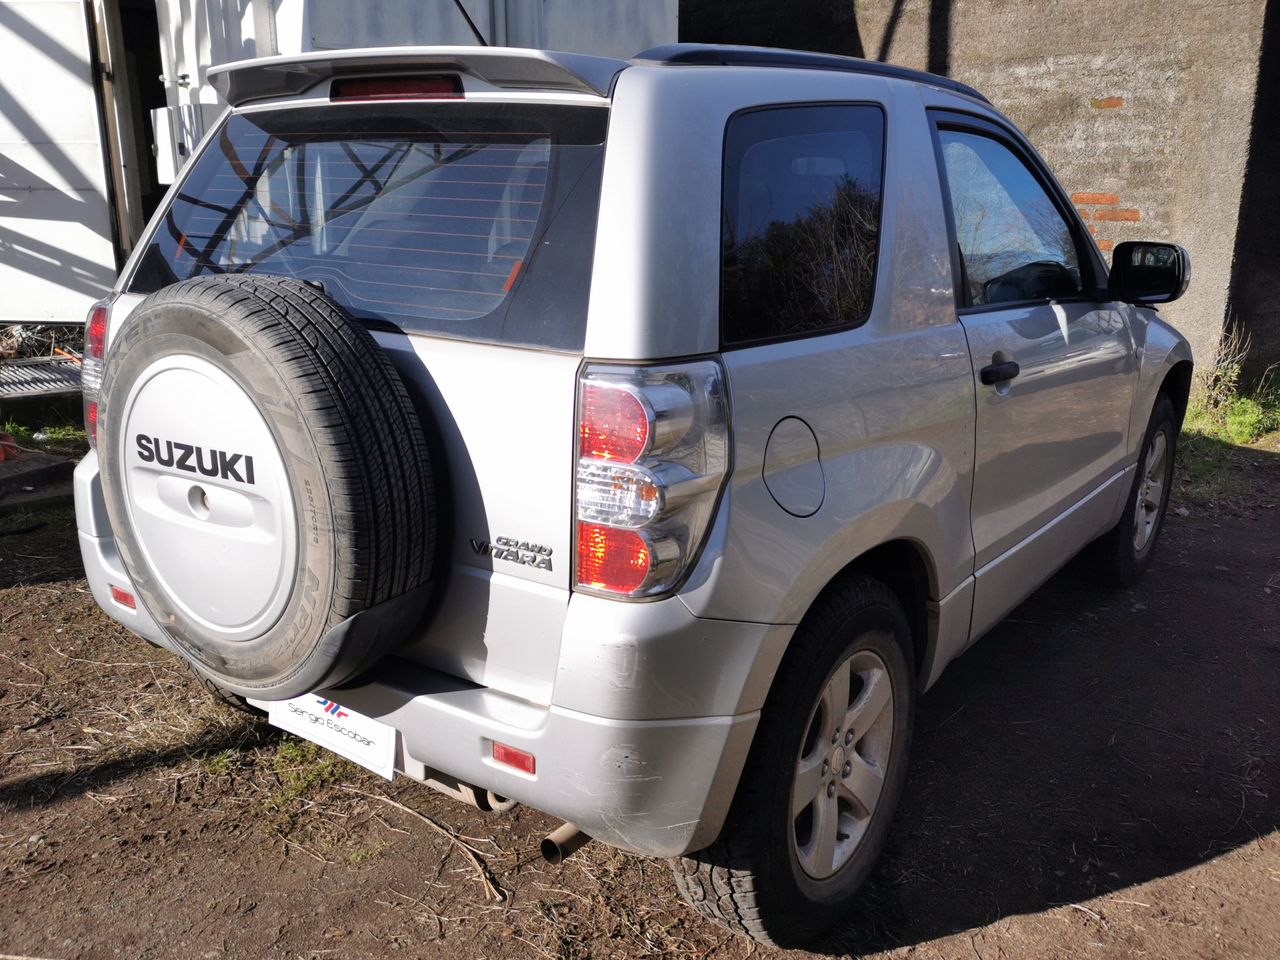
[1054, 363]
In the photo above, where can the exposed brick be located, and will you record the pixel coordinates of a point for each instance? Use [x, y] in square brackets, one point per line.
[1096, 199]
[1084, 214]
[1118, 216]
[1093, 229]
[1105, 245]
[1107, 103]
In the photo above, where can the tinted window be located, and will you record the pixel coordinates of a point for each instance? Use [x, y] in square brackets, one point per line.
[469, 220]
[801, 220]
[1014, 243]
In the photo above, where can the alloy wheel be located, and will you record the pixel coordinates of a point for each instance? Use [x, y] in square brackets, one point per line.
[840, 773]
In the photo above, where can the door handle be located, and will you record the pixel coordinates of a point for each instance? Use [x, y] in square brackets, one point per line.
[1001, 369]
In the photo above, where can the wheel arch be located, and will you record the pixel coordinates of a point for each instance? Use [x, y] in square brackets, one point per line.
[1177, 387]
[1167, 367]
[906, 567]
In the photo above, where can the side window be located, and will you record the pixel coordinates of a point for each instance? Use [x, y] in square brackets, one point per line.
[1014, 243]
[800, 222]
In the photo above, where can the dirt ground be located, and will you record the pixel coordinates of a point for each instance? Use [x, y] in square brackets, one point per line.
[1100, 777]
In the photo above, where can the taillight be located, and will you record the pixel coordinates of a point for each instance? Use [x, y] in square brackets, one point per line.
[95, 352]
[612, 422]
[611, 559]
[447, 87]
[653, 454]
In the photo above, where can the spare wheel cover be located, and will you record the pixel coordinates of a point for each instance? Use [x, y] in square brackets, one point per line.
[207, 496]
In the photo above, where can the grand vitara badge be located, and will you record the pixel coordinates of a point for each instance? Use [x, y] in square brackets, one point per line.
[195, 459]
[517, 551]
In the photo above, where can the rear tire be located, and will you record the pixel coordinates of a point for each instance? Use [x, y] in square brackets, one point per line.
[225, 697]
[303, 550]
[767, 876]
[1123, 554]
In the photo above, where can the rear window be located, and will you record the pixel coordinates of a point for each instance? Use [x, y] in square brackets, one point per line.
[800, 226]
[462, 219]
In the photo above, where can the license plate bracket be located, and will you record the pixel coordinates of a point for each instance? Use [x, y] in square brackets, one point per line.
[363, 740]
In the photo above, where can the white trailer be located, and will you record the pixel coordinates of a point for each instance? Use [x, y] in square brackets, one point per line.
[102, 101]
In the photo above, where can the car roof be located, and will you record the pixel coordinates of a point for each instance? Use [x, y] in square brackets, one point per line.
[522, 69]
[727, 55]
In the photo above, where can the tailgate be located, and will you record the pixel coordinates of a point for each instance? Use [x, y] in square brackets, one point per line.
[462, 232]
[504, 460]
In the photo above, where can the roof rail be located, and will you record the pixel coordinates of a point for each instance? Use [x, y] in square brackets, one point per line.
[713, 54]
[290, 74]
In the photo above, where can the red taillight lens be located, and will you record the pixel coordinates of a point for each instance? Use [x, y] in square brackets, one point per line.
[511, 757]
[611, 559]
[123, 597]
[92, 365]
[395, 88]
[95, 333]
[91, 420]
[613, 423]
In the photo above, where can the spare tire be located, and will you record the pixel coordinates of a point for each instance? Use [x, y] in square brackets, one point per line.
[267, 481]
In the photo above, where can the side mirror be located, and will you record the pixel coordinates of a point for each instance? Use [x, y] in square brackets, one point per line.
[1146, 273]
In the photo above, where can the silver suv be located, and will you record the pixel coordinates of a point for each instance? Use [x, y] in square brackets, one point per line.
[635, 440]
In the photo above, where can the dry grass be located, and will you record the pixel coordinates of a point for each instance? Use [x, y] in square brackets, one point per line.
[1222, 422]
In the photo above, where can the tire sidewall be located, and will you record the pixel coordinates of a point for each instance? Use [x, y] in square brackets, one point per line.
[285, 655]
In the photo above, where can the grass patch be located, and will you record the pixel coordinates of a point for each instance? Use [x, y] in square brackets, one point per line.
[302, 767]
[1238, 420]
[63, 439]
[1221, 421]
[223, 762]
[367, 852]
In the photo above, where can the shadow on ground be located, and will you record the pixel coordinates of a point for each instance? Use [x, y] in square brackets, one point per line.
[60, 785]
[1096, 739]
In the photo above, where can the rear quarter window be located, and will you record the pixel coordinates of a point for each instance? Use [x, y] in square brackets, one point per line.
[800, 225]
[462, 219]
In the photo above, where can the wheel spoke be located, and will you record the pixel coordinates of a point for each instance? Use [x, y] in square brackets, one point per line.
[1155, 493]
[822, 848]
[808, 783]
[835, 699]
[1155, 459]
[863, 785]
[871, 702]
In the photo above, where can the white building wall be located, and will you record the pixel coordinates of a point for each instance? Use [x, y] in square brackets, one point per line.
[621, 28]
[198, 34]
[58, 248]
[57, 253]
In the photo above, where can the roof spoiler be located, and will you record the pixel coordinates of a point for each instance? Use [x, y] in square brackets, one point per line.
[509, 67]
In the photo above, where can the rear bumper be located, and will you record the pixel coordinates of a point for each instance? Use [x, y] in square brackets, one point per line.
[102, 566]
[652, 713]
[657, 787]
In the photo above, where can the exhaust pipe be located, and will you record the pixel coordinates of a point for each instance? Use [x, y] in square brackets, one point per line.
[559, 846]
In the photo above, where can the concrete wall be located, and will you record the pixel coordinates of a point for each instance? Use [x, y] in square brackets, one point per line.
[1142, 107]
[1254, 304]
